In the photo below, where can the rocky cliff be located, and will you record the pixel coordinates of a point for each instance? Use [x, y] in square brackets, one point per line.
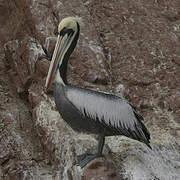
[127, 47]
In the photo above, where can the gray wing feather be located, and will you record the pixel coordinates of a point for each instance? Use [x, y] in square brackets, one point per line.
[112, 110]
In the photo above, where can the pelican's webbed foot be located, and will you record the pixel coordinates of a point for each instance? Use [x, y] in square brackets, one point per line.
[84, 159]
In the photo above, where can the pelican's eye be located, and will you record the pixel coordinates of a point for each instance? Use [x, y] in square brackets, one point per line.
[65, 30]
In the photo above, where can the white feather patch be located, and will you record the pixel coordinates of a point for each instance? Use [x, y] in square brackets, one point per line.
[112, 110]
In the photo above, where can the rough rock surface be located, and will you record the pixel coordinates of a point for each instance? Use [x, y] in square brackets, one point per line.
[126, 47]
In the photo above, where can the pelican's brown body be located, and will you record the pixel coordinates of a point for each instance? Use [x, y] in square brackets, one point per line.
[86, 110]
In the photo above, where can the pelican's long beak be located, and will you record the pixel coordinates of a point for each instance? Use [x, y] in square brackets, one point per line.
[61, 46]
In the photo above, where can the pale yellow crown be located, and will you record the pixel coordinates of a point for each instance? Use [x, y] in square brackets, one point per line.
[70, 23]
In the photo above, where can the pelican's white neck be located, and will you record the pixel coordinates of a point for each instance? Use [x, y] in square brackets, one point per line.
[58, 78]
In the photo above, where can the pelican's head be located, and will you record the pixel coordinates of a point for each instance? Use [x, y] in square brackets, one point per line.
[68, 33]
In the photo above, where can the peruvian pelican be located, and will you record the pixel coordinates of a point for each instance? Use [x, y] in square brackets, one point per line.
[87, 110]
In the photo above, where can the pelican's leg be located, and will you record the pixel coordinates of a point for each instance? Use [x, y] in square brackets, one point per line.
[84, 159]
